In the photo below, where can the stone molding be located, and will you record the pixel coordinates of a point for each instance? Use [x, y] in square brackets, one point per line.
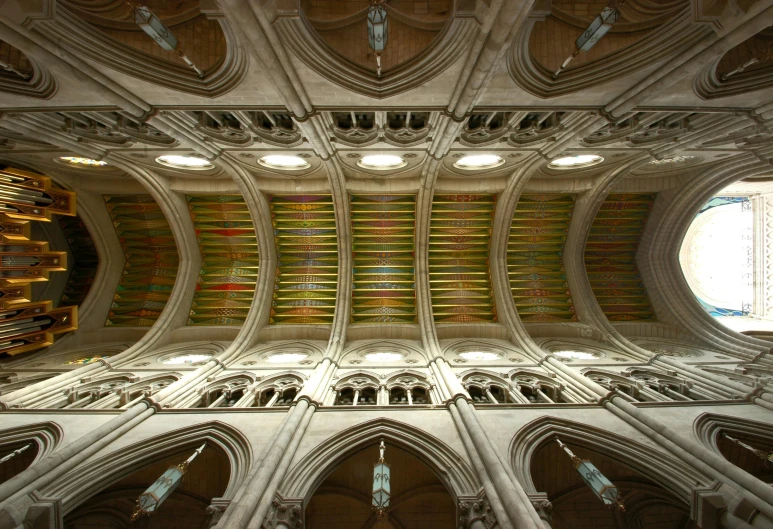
[46, 435]
[708, 426]
[41, 84]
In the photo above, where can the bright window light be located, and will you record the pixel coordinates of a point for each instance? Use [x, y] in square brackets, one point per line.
[184, 162]
[576, 355]
[78, 160]
[284, 358]
[481, 356]
[574, 161]
[382, 162]
[281, 161]
[479, 161]
[383, 357]
[185, 359]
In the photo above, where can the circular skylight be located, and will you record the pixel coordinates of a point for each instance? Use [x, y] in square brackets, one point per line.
[576, 355]
[78, 160]
[576, 161]
[381, 162]
[383, 357]
[480, 356]
[185, 359]
[184, 162]
[479, 161]
[285, 358]
[282, 161]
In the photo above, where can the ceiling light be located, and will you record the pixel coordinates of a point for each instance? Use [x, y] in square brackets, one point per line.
[383, 357]
[479, 161]
[78, 160]
[576, 160]
[185, 359]
[479, 356]
[576, 355]
[382, 162]
[285, 358]
[184, 162]
[281, 161]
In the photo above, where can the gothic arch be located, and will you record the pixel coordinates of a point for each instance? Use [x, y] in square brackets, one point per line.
[46, 435]
[649, 36]
[109, 39]
[663, 469]
[306, 476]
[77, 487]
[708, 426]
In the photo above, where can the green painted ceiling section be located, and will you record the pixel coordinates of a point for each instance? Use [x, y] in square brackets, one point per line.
[230, 260]
[610, 257]
[151, 260]
[534, 258]
[459, 239]
[307, 255]
[383, 229]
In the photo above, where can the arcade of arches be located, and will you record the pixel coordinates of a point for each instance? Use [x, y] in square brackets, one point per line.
[526, 244]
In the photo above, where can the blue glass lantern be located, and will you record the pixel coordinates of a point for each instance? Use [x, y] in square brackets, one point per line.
[378, 29]
[604, 489]
[381, 486]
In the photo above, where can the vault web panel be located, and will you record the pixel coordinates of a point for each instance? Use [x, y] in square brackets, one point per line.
[459, 238]
[383, 228]
[610, 257]
[85, 260]
[151, 260]
[534, 258]
[307, 255]
[230, 261]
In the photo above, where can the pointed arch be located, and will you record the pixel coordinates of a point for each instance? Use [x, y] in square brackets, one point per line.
[77, 487]
[669, 472]
[306, 476]
[46, 435]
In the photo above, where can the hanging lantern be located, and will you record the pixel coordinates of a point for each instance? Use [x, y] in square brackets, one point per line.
[767, 457]
[150, 500]
[381, 487]
[604, 489]
[378, 29]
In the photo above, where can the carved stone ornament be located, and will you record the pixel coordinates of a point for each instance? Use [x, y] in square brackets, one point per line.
[473, 511]
[283, 514]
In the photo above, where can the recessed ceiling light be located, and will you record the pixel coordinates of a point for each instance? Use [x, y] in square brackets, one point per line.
[185, 359]
[282, 161]
[576, 355]
[78, 160]
[479, 355]
[382, 162]
[184, 162]
[576, 161]
[479, 161]
[383, 357]
[286, 357]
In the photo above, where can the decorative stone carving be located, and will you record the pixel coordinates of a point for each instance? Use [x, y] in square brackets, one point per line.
[478, 511]
[283, 515]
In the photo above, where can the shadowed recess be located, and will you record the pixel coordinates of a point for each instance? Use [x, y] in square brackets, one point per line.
[383, 228]
[307, 255]
[744, 458]
[459, 239]
[20, 462]
[534, 258]
[610, 257]
[85, 261]
[229, 252]
[151, 260]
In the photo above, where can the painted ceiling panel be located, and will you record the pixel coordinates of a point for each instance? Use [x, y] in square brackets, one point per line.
[610, 257]
[85, 261]
[151, 260]
[383, 228]
[459, 238]
[230, 261]
[534, 258]
[307, 254]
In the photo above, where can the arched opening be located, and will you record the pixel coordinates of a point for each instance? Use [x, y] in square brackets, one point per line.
[648, 505]
[111, 508]
[418, 497]
[744, 457]
[19, 461]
